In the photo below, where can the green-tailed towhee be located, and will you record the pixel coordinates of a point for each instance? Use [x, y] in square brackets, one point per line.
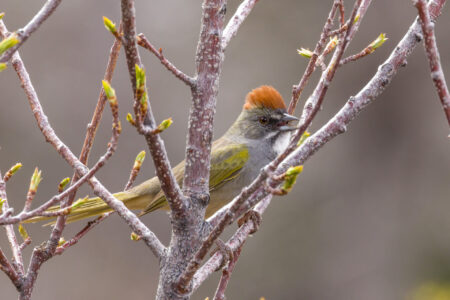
[259, 134]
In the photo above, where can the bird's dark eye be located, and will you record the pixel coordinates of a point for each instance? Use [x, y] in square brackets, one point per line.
[263, 120]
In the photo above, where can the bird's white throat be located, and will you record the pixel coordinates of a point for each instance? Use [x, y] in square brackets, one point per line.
[281, 142]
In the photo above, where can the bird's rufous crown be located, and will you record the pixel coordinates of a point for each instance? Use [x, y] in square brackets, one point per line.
[264, 96]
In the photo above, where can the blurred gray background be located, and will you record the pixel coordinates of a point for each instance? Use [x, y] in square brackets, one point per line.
[370, 215]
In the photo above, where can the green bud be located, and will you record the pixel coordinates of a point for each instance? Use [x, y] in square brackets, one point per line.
[63, 184]
[109, 25]
[130, 119]
[35, 180]
[305, 135]
[61, 241]
[1, 204]
[109, 92]
[139, 160]
[9, 42]
[357, 18]
[23, 232]
[3, 66]
[305, 52]
[379, 41]
[135, 237]
[290, 177]
[140, 77]
[2, 15]
[164, 125]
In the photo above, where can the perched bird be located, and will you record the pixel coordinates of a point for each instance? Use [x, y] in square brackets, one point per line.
[259, 134]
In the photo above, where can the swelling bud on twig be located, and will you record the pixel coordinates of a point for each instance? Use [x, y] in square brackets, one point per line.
[109, 25]
[1, 204]
[134, 237]
[23, 232]
[109, 92]
[290, 177]
[379, 41]
[163, 126]
[130, 119]
[305, 135]
[139, 160]
[3, 66]
[2, 15]
[9, 42]
[12, 171]
[305, 52]
[63, 184]
[141, 93]
[35, 180]
[61, 241]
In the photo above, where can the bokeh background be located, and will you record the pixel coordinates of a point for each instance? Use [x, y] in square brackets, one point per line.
[370, 216]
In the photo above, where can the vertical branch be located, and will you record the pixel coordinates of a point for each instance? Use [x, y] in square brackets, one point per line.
[434, 59]
[209, 58]
[12, 239]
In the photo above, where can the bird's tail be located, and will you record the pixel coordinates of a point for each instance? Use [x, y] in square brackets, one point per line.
[94, 207]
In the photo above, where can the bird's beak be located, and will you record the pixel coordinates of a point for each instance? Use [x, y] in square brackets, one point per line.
[287, 121]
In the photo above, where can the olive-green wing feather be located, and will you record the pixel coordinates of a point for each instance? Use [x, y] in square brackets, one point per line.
[227, 160]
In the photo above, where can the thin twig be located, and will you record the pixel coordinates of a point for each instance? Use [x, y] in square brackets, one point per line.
[145, 43]
[226, 275]
[24, 33]
[9, 270]
[236, 20]
[131, 219]
[437, 74]
[298, 89]
[12, 239]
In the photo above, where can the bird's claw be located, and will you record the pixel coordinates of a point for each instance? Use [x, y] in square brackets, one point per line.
[226, 251]
[254, 216]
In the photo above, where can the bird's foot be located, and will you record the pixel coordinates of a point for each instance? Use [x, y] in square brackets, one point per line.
[226, 251]
[254, 216]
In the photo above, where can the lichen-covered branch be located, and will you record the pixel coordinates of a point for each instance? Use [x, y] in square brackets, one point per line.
[437, 74]
[155, 143]
[242, 12]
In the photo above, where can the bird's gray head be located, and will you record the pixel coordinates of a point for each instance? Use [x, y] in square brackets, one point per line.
[264, 117]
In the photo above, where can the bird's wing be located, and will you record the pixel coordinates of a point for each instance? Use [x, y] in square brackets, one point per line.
[227, 160]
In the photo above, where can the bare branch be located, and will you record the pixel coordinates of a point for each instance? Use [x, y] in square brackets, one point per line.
[9, 270]
[24, 33]
[226, 275]
[12, 239]
[155, 143]
[298, 89]
[131, 219]
[209, 58]
[437, 74]
[236, 20]
[236, 241]
[143, 42]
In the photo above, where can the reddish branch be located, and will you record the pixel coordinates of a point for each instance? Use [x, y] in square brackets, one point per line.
[155, 143]
[24, 33]
[143, 42]
[298, 89]
[226, 275]
[437, 74]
